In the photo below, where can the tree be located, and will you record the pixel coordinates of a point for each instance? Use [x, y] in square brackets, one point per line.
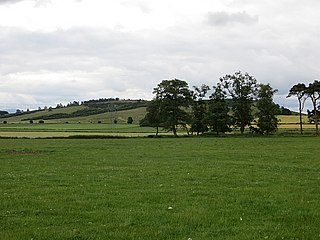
[130, 120]
[242, 88]
[3, 113]
[218, 117]
[285, 111]
[174, 98]
[298, 90]
[199, 110]
[153, 117]
[267, 110]
[313, 91]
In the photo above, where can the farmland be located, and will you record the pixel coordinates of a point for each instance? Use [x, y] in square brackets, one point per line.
[164, 188]
[89, 178]
[89, 125]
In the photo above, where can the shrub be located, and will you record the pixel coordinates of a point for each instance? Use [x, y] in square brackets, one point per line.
[130, 120]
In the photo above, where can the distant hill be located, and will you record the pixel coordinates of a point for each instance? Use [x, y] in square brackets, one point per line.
[3, 113]
[102, 110]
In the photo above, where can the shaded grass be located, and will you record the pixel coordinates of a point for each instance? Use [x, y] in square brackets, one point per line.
[199, 188]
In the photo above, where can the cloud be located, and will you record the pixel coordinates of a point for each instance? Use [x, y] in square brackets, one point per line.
[10, 1]
[225, 18]
[143, 6]
[84, 61]
[99, 62]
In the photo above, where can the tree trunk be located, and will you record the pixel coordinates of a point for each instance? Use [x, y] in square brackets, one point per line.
[157, 131]
[316, 117]
[186, 127]
[300, 110]
[242, 128]
[174, 130]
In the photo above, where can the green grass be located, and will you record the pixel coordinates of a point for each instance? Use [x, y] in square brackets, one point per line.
[66, 130]
[186, 188]
[111, 128]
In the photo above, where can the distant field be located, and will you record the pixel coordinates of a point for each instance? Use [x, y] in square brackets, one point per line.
[82, 126]
[292, 119]
[66, 130]
[186, 188]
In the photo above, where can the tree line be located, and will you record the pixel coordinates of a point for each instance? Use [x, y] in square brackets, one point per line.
[303, 92]
[236, 101]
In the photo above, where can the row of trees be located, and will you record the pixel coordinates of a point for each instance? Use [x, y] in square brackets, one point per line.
[303, 92]
[231, 104]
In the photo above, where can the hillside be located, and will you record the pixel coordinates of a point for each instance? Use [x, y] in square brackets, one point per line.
[104, 111]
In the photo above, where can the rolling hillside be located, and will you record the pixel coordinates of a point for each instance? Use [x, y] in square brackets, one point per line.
[102, 112]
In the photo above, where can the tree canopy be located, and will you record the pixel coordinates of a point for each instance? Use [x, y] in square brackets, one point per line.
[267, 110]
[242, 88]
[174, 98]
[229, 106]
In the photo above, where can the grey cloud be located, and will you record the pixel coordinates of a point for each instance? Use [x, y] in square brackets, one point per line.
[94, 60]
[225, 18]
[10, 1]
[97, 62]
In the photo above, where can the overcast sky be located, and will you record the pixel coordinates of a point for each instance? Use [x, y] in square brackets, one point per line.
[57, 51]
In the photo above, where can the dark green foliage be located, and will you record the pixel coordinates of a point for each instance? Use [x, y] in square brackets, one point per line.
[267, 110]
[130, 120]
[5, 122]
[153, 116]
[3, 113]
[285, 111]
[174, 97]
[41, 121]
[199, 110]
[114, 104]
[313, 92]
[298, 90]
[218, 117]
[242, 88]
[199, 117]
[312, 116]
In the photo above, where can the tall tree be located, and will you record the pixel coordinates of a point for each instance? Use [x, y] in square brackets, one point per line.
[267, 110]
[153, 116]
[243, 90]
[218, 117]
[299, 90]
[174, 97]
[313, 91]
[199, 110]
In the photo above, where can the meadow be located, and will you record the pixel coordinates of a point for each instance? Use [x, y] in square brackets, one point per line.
[160, 188]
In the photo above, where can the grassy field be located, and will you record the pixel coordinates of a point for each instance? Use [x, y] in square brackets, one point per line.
[72, 129]
[139, 188]
[36, 130]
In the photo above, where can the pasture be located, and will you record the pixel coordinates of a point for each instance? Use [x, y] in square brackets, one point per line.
[163, 188]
